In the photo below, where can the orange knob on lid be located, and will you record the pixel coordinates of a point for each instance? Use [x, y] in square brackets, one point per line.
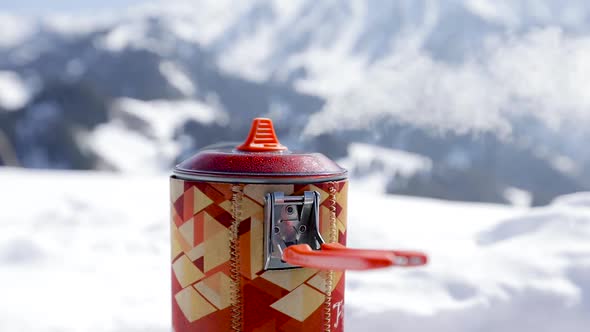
[262, 137]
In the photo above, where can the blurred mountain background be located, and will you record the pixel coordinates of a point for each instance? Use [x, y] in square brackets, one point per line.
[461, 100]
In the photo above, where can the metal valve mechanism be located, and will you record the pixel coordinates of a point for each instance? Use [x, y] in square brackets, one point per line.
[289, 220]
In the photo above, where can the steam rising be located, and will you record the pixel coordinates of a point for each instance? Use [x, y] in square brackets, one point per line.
[543, 74]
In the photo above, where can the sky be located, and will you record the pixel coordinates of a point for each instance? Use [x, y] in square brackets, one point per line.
[41, 7]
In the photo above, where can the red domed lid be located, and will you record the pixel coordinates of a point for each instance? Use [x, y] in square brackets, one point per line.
[260, 159]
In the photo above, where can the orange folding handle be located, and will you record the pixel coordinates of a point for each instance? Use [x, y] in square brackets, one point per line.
[334, 256]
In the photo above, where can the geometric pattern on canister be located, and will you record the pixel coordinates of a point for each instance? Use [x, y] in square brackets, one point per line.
[277, 300]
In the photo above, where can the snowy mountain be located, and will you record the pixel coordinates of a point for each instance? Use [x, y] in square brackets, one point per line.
[80, 252]
[492, 93]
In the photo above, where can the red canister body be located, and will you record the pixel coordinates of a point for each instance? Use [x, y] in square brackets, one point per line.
[223, 275]
[218, 278]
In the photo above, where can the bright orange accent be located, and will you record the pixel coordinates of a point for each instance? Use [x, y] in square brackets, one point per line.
[409, 258]
[302, 255]
[334, 256]
[262, 137]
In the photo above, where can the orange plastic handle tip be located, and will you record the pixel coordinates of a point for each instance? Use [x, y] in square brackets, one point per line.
[401, 258]
[303, 255]
[262, 137]
[334, 256]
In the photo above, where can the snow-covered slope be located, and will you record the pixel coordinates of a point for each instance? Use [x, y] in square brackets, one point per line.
[83, 252]
[89, 252]
[491, 269]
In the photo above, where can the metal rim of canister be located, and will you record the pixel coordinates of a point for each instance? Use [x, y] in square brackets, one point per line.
[285, 178]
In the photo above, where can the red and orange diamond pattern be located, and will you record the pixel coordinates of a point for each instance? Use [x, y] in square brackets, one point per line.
[279, 300]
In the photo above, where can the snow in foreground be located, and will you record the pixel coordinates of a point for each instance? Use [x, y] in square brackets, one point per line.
[89, 252]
